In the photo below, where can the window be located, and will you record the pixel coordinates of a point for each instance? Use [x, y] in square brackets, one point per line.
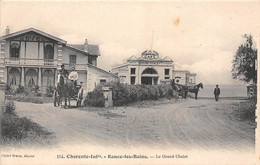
[149, 71]
[132, 70]
[132, 79]
[166, 77]
[73, 59]
[92, 60]
[48, 78]
[31, 78]
[15, 50]
[167, 71]
[48, 52]
[14, 77]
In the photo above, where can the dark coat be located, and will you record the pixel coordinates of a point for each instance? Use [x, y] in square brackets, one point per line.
[64, 72]
[217, 91]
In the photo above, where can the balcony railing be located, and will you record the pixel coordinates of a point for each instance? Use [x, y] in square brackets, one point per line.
[77, 66]
[29, 61]
[41, 62]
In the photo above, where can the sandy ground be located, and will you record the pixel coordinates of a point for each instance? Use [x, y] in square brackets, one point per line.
[184, 124]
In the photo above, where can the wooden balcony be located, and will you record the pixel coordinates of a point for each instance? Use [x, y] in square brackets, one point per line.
[29, 62]
[77, 66]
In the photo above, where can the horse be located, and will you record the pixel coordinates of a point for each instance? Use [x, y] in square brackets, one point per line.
[192, 89]
[62, 90]
[65, 89]
[71, 90]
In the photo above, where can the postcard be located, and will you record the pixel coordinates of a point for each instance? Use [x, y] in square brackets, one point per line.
[129, 82]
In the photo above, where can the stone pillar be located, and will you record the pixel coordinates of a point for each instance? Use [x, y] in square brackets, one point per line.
[40, 77]
[22, 77]
[2, 95]
[59, 59]
[2, 76]
[2, 58]
[107, 93]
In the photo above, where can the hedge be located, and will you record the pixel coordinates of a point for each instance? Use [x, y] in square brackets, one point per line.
[124, 94]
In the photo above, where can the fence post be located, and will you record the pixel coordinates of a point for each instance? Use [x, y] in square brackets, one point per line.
[251, 91]
[107, 93]
[2, 95]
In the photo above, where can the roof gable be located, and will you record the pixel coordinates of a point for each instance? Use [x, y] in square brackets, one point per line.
[92, 49]
[32, 35]
[132, 58]
[101, 70]
[167, 59]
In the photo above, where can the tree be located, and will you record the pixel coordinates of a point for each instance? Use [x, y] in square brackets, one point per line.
[244, 61]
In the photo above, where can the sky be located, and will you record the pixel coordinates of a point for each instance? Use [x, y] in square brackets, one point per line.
[201, 37]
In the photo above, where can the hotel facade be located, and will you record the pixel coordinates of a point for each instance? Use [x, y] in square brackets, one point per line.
[32, 57]
[151, 69]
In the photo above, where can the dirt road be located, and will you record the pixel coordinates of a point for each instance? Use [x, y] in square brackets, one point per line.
[182, 124]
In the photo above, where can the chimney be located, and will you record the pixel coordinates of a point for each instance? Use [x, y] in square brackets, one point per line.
[86, 46]
[7, 31]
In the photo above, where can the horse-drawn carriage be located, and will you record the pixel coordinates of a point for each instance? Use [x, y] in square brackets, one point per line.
[183, 89]
[67, 90]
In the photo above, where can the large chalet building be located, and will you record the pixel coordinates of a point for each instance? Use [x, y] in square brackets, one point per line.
[151, 69]
[32, 57]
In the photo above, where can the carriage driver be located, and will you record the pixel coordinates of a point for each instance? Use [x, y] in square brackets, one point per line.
[73, 76]
[63, 71]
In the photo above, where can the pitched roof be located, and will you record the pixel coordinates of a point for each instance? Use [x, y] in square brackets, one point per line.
[99, 69]
[75, 49]
[33, 30]
[132, 58]
[167, 59]
[92, 49]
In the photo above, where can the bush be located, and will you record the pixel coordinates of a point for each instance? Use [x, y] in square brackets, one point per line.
[20, 89]
[124, 94]
[165, 90]
[9, 90]
[95, 98]
[9, 108]
[247, 109]
[36, 88]
[16, 130]
[120, 94]
[49, 91]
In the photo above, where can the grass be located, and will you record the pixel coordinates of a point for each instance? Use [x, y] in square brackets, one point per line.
[246, 110]
[138, 104]
[20, 131]
[108, 114]
[30, 98]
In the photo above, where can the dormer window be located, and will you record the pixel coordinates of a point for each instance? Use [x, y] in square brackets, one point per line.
[15, 50]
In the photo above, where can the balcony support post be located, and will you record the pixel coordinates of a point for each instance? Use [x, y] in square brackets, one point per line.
[40, 77]
[22, 76]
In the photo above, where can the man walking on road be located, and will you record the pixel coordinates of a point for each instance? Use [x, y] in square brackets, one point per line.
[217, 93]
